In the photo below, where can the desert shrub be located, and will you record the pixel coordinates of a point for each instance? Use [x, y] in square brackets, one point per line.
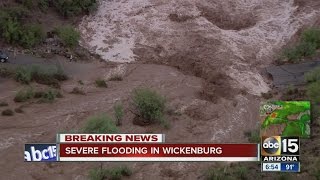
[253, 136]
[313, 92]
[7, 112]
[3, 103]
[312, 35]
[241, 173]
[221, 173]
[101, 83]
[149, 104]
[59, 74]
[68, 35]
[112, 174]
[100, 124]
[96, 174]
[215, 174]
[16, 12]
[313, 75]
[23, 75]
[267, 95]
[43, 5]
[306, 49]
[24, 95]
[49, 96]
[69, 8]
[28, 3]
[118, 113]
[303, 49]
[31, 35]
[77, 90]
[284, 176]
[118, 172]
[41, 75]
[38, 94]
[11, 31]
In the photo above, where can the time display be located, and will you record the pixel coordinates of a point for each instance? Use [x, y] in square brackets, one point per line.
[271, 166]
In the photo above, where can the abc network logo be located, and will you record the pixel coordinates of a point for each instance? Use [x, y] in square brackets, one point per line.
[277, 145]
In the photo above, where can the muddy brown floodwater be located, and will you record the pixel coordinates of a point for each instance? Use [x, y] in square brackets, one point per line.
[204, 56]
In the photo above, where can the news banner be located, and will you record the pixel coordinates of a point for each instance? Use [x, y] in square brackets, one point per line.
[276, 153]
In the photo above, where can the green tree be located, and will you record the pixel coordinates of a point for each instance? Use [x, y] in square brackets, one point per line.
[31, 35]
[11, 31]
[69, 35]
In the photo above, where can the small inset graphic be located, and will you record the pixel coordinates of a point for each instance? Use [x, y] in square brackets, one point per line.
[285, 118]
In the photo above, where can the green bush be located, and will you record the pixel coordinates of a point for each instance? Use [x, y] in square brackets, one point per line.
[23, 75]
[96, 174]
[313, 92]
[14, 32]
[101, 83]
[68, 35]
[118, 113]
[216, 174]
[43, 5]
[49, 96]
[31, 35]
[304, 49]
[24, 95]
[18, 12]
[222, 173]
[42, 75]
[253, 136]
[313, 75]
[11, 31]
[28, 3]
[149, 104]
[100, 124]
[69, 8]
[7, 112]
[118, 172]
[241, 173]
[312, 35]
[112, 174]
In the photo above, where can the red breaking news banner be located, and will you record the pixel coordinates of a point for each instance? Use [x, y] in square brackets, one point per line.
[159, 152]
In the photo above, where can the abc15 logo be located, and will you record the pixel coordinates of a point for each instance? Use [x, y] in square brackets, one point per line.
[277, 146]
